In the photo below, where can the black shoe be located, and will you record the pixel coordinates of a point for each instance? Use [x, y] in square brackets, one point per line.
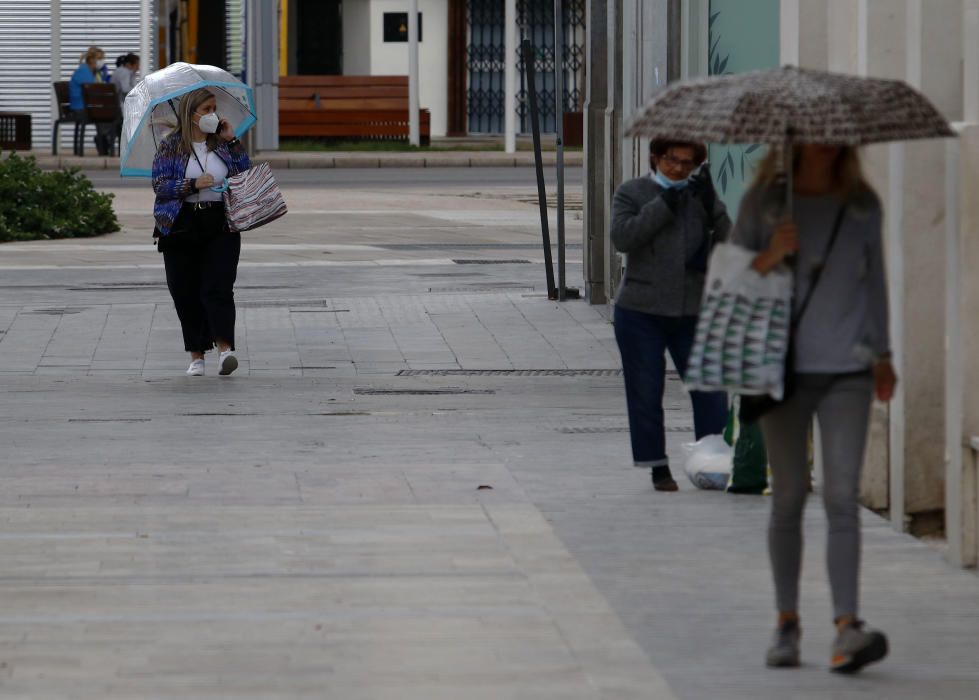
[663, 479]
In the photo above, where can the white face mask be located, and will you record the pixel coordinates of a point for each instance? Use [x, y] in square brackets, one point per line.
[100, 63]
[209, 123]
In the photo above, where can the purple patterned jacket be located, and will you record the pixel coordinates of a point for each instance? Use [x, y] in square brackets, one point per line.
[169, 181]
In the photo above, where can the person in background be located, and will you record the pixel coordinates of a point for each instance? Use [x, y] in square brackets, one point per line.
[92, 69]
[841, 360]
[200, 253]
[126, 75]
[666, 224]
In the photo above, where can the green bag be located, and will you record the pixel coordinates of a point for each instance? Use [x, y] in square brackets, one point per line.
[749, 473]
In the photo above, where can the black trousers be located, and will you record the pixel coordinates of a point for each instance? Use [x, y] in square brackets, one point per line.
[201, 259]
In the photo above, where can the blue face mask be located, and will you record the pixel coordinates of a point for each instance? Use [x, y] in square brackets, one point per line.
[668, 184]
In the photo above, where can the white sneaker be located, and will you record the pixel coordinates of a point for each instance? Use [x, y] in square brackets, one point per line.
[196, 369]
[229, 363]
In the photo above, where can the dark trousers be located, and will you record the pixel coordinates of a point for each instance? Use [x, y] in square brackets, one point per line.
[201, 259]
[643, 341]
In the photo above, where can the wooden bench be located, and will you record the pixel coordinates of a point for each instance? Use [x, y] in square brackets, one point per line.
[101, 108]
[372, 107]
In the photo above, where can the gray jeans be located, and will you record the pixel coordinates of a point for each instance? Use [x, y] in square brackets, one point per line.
[842, 405]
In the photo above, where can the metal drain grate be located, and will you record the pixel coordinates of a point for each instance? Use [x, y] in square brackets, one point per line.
[468, 246]
[482, 289]
[510, 373]
[592, 430]
[420, 392]
[477, 261]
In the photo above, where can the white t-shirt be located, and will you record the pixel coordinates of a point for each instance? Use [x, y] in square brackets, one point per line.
[213, 165]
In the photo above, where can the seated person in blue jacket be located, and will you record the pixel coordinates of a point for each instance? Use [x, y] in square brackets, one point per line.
[665, 223]
[92, 69]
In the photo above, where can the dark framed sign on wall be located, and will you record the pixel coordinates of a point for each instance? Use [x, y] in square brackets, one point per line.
[396, 27]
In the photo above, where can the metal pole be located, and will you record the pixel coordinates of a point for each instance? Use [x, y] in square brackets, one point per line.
[559, 129]
[146, 24]
[55, 60]
[528, 62]
[510, 75]
[414, 128]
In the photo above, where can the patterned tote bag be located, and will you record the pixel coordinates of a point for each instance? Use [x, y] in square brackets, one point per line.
[743, 327]
[252, 199]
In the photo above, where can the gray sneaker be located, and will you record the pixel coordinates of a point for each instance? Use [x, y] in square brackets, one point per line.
[855, 647]
[784, 652]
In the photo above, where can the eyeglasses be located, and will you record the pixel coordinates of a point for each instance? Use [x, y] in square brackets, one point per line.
[677, 163]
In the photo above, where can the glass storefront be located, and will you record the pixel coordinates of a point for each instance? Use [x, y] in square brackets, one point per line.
[743, 35]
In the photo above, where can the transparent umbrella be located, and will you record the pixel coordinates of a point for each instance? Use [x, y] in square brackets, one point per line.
[150, 110]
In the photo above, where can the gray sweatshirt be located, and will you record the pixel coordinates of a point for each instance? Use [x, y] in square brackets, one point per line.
[846, 324]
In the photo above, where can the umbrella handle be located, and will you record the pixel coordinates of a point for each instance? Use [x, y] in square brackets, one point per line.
[221, 188]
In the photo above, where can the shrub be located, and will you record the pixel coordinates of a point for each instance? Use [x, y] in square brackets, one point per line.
[63, 204]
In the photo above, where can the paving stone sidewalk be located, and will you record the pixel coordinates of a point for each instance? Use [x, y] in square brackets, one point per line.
[417, 486]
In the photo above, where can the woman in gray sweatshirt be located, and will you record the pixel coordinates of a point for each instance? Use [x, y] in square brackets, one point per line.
[841, 360]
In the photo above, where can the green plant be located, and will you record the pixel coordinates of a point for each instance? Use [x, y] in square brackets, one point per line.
[61, 204]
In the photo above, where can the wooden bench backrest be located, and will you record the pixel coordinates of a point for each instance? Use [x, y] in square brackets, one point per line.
[343, 92]
[101, 101]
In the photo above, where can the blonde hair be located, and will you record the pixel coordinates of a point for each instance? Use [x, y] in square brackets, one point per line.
[92, 52]
[847, 172]
[185, 118]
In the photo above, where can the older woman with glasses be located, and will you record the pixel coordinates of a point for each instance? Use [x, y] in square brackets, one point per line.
[666, 224]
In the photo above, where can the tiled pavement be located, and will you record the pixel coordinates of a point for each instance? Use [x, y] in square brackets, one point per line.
[319, 526]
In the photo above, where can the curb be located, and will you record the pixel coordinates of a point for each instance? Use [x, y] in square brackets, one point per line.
[341, 160]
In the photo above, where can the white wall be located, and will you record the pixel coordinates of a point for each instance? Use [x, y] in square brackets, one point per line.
[357, 37]
[433, 53]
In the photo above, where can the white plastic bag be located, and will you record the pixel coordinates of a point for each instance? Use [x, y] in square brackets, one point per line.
[709, 462]
[743, 327]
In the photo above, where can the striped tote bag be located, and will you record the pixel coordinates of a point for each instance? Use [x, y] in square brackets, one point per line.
[743, 327]
[252, 199]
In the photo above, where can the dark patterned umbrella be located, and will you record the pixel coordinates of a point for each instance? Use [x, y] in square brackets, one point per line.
[801, 105]
[791, 105]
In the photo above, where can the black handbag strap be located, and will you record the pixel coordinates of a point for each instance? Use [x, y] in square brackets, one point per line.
[818, 270]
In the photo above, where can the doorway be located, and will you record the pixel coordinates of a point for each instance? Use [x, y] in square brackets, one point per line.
[319, 37]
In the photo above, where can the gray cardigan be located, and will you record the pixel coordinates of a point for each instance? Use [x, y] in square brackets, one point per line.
[658, 244]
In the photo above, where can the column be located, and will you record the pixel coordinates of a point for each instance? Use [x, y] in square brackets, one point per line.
[595, 174]
[414, 128]
[612, 139]
[510, 75]
[934, 53]
[962, 316]
[146, 56]
[55, 55]
[263, 71]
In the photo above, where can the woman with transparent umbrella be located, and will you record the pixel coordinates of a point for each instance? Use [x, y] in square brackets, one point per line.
[199, 251]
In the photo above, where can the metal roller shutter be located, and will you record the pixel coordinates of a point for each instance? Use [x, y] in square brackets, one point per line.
[235, 34]
[25, 63]
[25, 52]
[113, 25]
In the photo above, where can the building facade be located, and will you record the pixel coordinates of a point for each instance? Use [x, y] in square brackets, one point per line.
[462, 51]
[923, 454]
[43, 41]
